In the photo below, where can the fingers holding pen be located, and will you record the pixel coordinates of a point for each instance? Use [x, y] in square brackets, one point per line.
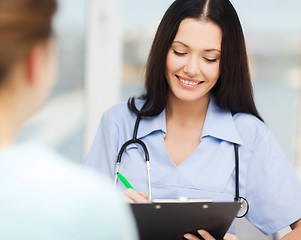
[131, 196]
[144, 194]
[136, 197]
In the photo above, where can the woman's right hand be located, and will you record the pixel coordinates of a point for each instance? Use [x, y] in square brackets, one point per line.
[131, 196]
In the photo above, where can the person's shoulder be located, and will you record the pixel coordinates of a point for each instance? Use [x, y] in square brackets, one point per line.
[121, 113]
[30, 153]
[122, 107]
[67, 171]
[60, 190]
[246, 119]
[41, 168]
[250, 128]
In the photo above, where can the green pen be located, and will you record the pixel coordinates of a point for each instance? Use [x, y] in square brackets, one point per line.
[124, 181]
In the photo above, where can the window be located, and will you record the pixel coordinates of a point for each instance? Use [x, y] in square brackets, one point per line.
[60, 122]
[273, 36]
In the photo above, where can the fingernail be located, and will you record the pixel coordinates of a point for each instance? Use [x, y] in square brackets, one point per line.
[187, 236]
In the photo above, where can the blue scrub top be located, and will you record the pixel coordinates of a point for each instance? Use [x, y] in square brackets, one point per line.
[267, 179]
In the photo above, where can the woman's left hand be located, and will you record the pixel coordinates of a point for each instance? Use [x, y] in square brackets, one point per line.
[207, 236]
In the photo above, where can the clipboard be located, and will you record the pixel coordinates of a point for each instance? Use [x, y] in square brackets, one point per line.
[171, 220]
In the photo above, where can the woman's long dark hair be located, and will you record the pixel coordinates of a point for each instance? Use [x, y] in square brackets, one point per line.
[233, 89]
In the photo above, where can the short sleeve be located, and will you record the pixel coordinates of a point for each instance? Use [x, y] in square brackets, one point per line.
[102, 155]
[273, 189]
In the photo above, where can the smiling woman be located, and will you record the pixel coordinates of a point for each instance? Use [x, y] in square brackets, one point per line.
[197, 107]
[193, 61]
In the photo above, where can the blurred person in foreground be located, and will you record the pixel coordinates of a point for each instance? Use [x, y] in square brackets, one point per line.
[43, 195]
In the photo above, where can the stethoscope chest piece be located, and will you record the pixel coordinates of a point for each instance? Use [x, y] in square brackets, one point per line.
[244, 207]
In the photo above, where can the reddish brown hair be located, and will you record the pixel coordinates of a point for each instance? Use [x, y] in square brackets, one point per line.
[23, 23]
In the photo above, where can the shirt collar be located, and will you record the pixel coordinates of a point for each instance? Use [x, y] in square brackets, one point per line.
[151, 124]
[219, 124]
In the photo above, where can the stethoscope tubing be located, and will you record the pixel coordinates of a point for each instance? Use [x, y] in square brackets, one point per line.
[244, 203]
[146, 154]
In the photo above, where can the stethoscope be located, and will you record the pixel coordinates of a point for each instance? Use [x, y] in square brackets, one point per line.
[244, 203]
